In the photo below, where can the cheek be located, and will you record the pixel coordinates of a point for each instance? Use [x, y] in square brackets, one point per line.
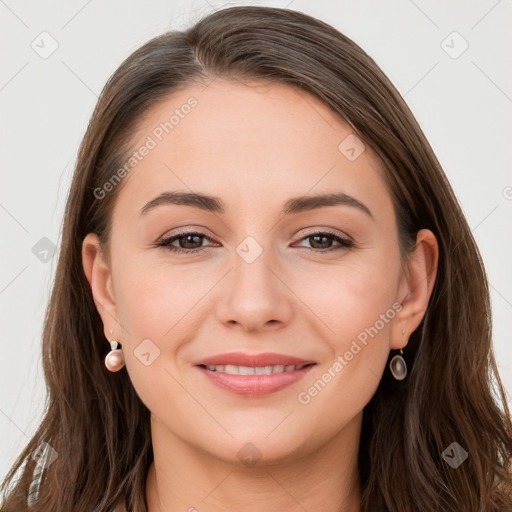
[151, 303]
[356, 303]
[152, 298]
[349, 298]
[358, 308]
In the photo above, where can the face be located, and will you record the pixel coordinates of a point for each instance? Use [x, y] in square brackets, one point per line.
[253, 272]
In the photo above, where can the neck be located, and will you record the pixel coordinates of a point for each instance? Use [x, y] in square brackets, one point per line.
[184, 478]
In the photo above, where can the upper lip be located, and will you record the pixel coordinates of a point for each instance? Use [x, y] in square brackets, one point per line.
[241, 359]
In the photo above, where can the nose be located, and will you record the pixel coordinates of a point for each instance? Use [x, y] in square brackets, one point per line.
[254, 296]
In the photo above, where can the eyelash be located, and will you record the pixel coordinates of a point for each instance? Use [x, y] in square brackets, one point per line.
[345, 243]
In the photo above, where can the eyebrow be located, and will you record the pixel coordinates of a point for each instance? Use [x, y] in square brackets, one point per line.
[291, 206]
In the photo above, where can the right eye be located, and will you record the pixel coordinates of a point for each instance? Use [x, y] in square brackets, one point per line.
[190, 237]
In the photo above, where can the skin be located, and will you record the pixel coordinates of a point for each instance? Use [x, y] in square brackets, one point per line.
[255, 146]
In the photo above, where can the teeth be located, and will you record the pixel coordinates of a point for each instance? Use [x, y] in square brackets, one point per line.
[243, 370]
[252, 370]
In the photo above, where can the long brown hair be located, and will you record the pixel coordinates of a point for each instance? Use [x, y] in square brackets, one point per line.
[95, 421]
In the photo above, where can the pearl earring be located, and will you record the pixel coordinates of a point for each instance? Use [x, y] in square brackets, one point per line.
[398, 366]
[114, 360]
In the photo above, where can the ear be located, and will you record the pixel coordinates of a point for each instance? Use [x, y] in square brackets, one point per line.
[415, 287]
[100, 279]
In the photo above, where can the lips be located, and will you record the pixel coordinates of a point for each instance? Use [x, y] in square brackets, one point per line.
[253, 375]
[241, 359]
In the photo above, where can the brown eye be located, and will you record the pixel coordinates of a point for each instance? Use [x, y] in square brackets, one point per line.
[192, 242]
[322, 242]
[188, 242]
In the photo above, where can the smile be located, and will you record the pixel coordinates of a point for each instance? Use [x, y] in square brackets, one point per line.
[254, 381]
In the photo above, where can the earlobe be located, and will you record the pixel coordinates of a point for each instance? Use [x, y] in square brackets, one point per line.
[100, 279]
[417, 286]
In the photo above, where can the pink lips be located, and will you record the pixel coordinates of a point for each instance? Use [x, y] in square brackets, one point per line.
[254, 385]
[241, 359]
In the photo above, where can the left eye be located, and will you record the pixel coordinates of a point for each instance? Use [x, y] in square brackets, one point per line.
[344, 243]
[195, 239]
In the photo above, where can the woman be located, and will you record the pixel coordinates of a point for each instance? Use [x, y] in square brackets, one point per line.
[297, 314]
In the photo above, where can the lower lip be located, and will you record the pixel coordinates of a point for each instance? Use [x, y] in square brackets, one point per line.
[255, 385]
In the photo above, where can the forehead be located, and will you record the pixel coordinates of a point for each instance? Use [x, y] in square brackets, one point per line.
[255, 141]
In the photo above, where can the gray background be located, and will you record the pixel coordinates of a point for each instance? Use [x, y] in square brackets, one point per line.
[462, 102]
